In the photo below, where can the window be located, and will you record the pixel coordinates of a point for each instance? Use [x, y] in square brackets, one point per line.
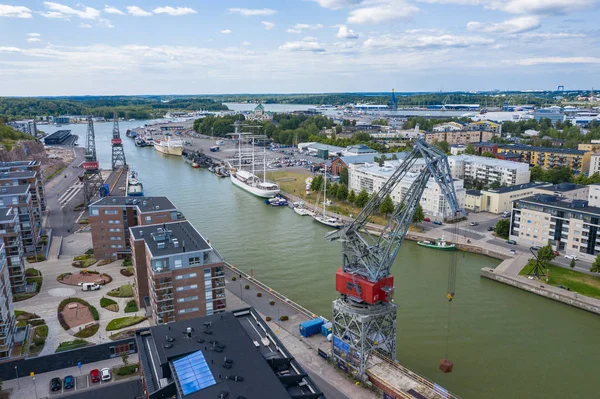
[177, 264]
[194, 260]
[110, 211]
[187, 287]
[93, 211]
[148, 219]
[116, 246]
[190, 275]
[114, 230]
[113, 238]
[114, 222]
[188, 299]
[575, 246]
[189, 310]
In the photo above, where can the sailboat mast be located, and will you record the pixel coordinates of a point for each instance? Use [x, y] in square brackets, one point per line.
[265, 159]
[325, 192]
[253, 157]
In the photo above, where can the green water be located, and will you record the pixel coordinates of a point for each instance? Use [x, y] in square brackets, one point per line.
[505, 343]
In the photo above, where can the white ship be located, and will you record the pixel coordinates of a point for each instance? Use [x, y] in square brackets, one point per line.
[134, 186]
[169, 146]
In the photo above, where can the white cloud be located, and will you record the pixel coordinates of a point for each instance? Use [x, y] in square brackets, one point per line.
[226, 31]
[550, 35]
[14, 11]
[174, 11]
[138, 12]
[515, 25]
[33, 40]
[246, 12]
[246, 43]
[54, 14]
[555, 60]
[85, 26]
[345, 33]
[551, 7]
[56, 8]
[268, 25]
[308, 44]
[34, 35]
[10, 50]
[380, 11]
[298, 28]
[337, 4]
[112, 10]
[105, 23]
[426, 41]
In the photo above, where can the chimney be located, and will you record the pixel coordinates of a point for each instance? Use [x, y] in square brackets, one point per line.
[189, 332]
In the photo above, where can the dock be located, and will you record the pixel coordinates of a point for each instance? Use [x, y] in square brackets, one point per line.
[117, 182]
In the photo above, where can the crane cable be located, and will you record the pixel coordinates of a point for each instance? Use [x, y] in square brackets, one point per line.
[451, 288]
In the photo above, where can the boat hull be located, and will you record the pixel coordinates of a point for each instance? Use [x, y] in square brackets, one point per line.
[328, 222]
[449, 247]
[168, 150]
[253, 190]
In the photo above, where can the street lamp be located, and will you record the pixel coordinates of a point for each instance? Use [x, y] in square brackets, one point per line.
[34, 387]
[17, 374]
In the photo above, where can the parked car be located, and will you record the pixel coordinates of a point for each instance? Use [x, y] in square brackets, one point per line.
[95, 375]
[473, 224]
[55, 384]
[505, 214]
[105, 373]
[536, 247]
[69, 382]
[89, 286]
[490, 228]
[437, 222]
[511, 242]
[571, 257]
[427, 220]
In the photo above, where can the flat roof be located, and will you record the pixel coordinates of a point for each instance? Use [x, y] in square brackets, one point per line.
[21, 189]
[558, 202]
[542, 149]
[24, 174]
[489, 161]
[7, 215]
[144, 204]
[170, 238]
[518, 187]
[371, 157]
[476, 193]
[231, 336]
[563, 187]
[19, 163]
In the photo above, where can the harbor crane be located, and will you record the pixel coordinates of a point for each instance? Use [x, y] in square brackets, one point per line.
[92, 177]
[364, 316]
[118, 154]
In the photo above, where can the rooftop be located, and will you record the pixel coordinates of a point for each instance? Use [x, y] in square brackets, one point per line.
[488, 161]
[25, 174]
[144, 204]
[559, 202]
[233, 352]
[370, 157]
[19, 163]
[321, 146]
[170, 238]
[563, 187]
[476, 193]
[7, 215]
[541, 149]
[21, 189]
[518, 187]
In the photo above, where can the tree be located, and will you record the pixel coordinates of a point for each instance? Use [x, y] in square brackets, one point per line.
[572, 263]
[387, 206]
[495, 185]
[537, 173]
[488, 154]
[316, 183]
[338, 129]
[470, 150]
[344, 176]
[125, 358]
[351, 197]
[419, 215]
[332, 190]
[362, 198]
[561, 174]
[502, 228]
[443, 146]
[346, 122]
[596, 265]
[546, 254]
[342, 192]
[380, 160]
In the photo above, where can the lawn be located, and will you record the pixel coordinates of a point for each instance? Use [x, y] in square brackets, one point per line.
[88, 331]
[124, 291]
[131, 306]
[68, 345]
[122, 322]
[579, 282]
[109, 304]
[121, 372]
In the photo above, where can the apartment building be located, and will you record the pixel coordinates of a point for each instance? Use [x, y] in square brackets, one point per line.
[475, 169]
[548, 157]
[499, 200]
[7, 312]
[37, 192]
[20, 198]
[594, 195]
[177, 272]
[569, 191]
[111, 217]
[458, 137]
[486, 126]
[32, 178]
[10, 240]
[568, 225]
[594, 166]
[371, 177]
[448, 127]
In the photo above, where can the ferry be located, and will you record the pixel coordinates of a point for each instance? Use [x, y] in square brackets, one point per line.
[134, 187]
[440, 244]
[169, 146]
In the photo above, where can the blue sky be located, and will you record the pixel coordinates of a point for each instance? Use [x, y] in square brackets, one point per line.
[292, 46]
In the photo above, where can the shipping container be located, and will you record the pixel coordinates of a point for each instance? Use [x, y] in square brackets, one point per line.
[326, 329]
[311, 327]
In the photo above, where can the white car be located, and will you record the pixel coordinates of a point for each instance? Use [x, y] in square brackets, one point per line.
[571, 257]
[105, 374]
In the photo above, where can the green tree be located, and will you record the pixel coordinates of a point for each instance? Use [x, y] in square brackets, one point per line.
[470, 150]
[488, 154]
[443, 146]
[546, 254]
[344, 176]
[387, 205]
[332, 190]
[342, 192]
[561, 174]
[316, 183]
[572, 263]
[351, 197]
[362, 198]
[495, 185]
[346, 122]
[361, 136]
[537, 173]
[419, 215]
[502, 228]
[338, 129]
[596, 265]
[125, 358]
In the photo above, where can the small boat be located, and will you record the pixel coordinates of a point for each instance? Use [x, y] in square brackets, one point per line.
[134, 187]
[324, 219]
[195, 165]
[440, 243]
[299, 208]
[276, 201]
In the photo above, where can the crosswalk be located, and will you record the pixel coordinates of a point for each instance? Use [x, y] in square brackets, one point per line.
[69, 194]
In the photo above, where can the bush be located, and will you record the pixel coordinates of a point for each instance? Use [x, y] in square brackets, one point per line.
[36, 322]
[131, 306]
[234, 278]
[90, 252]
[88, 331]
[127, 271]
[104, 262]
[127, 262]
[122, 322]
[124, 291]
[82, 257]
[247, 287]
[84, 221]
[42, 331]
[94, 313]
[284, 318]
[259, 294]
[68, 345]
[126, 370]
[271, 303]
[268, 318]
[31, 272]
[34, 259]
[61, 320]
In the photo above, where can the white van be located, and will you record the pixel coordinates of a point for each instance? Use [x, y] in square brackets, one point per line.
[90, 286]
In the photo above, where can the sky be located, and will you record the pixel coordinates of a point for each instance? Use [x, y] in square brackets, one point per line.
[128, 47]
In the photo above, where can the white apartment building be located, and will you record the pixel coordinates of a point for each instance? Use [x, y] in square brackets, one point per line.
[372, 177]
[473, 168]
[594, 164]
[594, 195]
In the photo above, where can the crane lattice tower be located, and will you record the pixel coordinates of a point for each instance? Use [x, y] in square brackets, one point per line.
[118, 155]
[92, 178]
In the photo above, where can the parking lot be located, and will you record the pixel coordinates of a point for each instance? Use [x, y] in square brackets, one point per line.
[81, 382]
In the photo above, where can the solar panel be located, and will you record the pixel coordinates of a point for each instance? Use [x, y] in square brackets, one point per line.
[193, 373]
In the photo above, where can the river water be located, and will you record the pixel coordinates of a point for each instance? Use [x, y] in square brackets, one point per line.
[505, 343]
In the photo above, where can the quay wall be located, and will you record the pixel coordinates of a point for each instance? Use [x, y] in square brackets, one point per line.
[568, 298]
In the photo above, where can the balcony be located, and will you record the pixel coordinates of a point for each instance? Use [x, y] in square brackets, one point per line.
[163, 285]
[166, 309]
[163, 296]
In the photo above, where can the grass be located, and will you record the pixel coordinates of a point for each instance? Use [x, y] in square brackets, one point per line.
[56, 172]
[109, 304]
[124, 371]
[581, 283]
[69, 345]
[105, 262]
[83, 261]
[124, 291]
[35, 258]
[39, 339]
[122, 322]
[88, 331]
[131, 306]
[122, 334]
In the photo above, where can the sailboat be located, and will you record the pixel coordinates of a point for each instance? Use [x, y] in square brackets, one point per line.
[324, 219]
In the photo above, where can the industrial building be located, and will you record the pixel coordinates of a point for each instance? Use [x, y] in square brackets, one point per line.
[568, 225]
[178, 274]
[231, 355]
[324, 151]
[7, 312]
[60, 137]
[111, 217]
[358, 149]
[486, 171]
[548, 157]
